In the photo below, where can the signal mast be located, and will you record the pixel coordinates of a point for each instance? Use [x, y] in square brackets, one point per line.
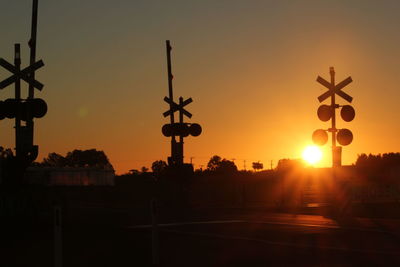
[177, 129]
[23, 110]
[328, 112]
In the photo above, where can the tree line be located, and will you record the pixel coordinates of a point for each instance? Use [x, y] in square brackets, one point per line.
[371, 164]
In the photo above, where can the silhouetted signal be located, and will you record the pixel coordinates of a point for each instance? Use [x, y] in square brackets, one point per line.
[181, 129]
[320, 137]
[178, 107]
[344, 137]
[334, 89]
[21, 74]
[347, 113]
[28, 109]
[327, 112]
[324, 113]
[24, 110]
[195, 129]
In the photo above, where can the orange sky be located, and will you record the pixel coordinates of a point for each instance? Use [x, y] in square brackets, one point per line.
[250, 67]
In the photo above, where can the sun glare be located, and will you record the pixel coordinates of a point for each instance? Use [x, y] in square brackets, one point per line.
[312, 154]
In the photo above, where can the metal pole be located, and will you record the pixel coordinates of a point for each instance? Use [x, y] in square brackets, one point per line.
[333, 128]
[32, 44]
[17, 63]
[180, 158]
[171, 97]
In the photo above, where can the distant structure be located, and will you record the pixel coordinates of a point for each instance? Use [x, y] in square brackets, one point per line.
[177, 129]
[23, 110]
[53, 176]
[328, 112]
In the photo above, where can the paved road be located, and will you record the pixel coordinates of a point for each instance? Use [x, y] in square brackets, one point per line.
[250, 238]
[279, 239]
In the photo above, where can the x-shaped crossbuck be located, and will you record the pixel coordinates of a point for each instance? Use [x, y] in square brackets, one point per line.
[21, 74]
[176, 107]
[334, 89]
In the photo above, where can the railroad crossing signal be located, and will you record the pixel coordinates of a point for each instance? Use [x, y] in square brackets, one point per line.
[180, 129]
[23, 110]
[334, 89]
[24, 74]
[327, 112]
[178, 107]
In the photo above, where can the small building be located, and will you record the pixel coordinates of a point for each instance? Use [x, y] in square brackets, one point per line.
[70, 176]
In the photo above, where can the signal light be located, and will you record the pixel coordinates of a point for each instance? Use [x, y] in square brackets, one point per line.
[2, 115]
[167, 130]
[181, 129]
[10, 108]
[344, 137]
[195, 129]
[36, 107]
[324, 113]
[347, 113]
[320, 137]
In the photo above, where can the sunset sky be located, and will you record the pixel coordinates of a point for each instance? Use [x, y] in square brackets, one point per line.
[250, 67]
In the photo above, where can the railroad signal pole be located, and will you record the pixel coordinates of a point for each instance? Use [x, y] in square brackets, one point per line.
[180, 129]
[24, 110]
[171, 98]
[328, 112]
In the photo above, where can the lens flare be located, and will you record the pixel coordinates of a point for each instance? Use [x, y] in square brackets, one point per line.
[312, 154]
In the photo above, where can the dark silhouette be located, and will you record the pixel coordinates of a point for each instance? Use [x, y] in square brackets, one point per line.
[159, 166]
[23, 110]
[327, 112]
[217, 164]
[379, 167]
[78, 158]
[257, 166]
[179, 129]
[54, 160]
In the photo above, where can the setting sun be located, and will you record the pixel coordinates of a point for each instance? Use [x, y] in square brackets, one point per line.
[312, 154]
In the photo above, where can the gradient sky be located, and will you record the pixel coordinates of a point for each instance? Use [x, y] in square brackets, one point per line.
[250, 67]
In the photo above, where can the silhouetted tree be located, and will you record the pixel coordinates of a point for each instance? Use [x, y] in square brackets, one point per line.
[6, 153]
[54, 160]
[133, 172]
[88, 158]
[257, 166]
[224, 165]
[158, 166]
[213, 163]
[79, 158]
[144, 169]
[376, 165]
